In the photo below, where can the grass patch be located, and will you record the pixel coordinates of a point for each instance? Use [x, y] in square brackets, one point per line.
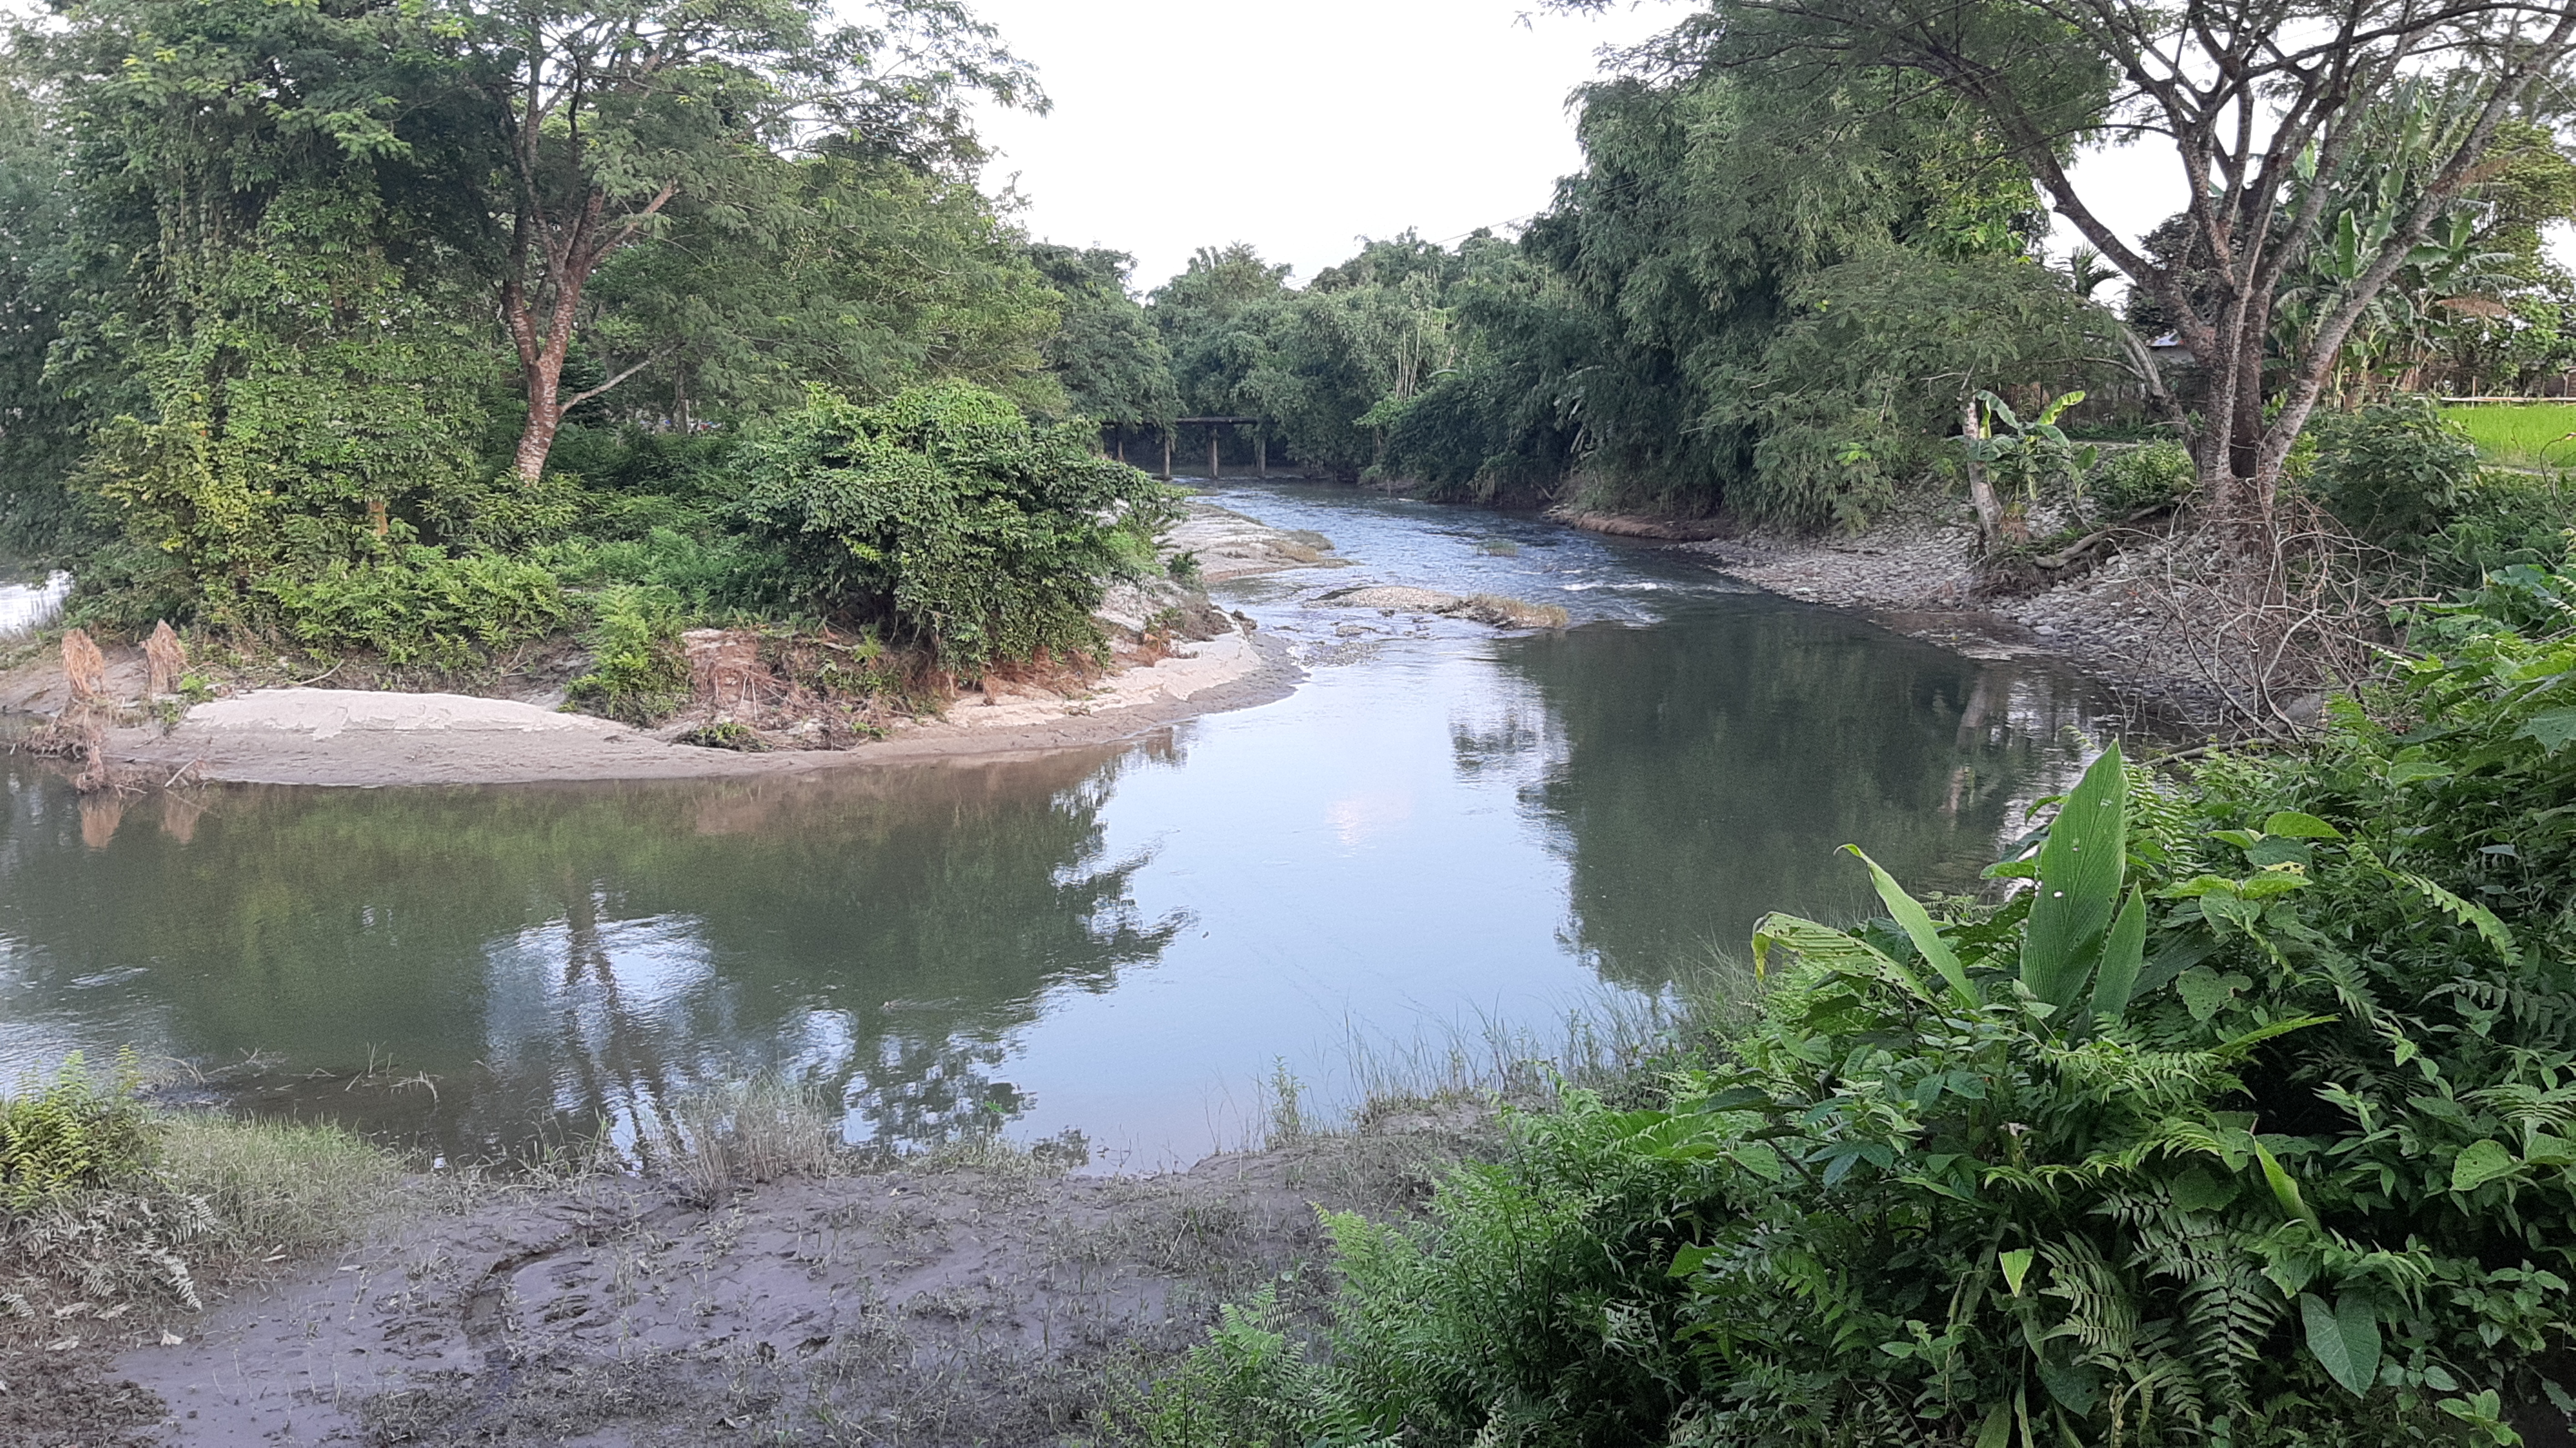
[119, 1211]
[2522, 435]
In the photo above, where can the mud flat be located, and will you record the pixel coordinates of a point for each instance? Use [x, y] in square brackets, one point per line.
[980, 1298]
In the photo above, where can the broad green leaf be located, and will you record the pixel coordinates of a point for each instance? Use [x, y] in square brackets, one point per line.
[1909, 913]
[2281, 850]
[2080, 870]
[2552, 727]
[2284, 1189]
[1688, 1260]
[1997, 1430]
[2205, 992]
[2122, 956]
[1833, 949]
[2076, 1387]
[2480, 1163]
[2345, 1338]
[2543, 1149]
[1758, 1159]
[2016, 1265]
[2300, 826]
[2407, 771]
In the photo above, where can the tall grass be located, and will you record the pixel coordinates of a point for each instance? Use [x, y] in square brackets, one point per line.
[219, 1201]
[2520, 435]
[747, 1132]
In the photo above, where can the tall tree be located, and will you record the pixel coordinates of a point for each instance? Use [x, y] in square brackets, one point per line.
[1114, 368]
[615, 111]
[2254, 96]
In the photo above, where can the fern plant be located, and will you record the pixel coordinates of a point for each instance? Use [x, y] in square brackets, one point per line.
[70, 1133]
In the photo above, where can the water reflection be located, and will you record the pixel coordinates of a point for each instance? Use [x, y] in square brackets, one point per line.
[1449, 828]
[31, 601]
[1707, 769]
[581, 953]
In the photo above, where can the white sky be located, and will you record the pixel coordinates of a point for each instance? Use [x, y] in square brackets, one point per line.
[1297, 127]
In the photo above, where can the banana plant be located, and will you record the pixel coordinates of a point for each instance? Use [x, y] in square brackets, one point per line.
[2028, 452]
[2083, 943]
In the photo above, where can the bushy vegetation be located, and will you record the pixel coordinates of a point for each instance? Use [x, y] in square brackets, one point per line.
[951, 522]
[280, 376]
[2246, 1121]
[111, 1205]
[71, 1133]
[2393, 473]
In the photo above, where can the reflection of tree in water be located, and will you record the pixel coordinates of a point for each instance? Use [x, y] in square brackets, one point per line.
[586, 953]
[1705, 770]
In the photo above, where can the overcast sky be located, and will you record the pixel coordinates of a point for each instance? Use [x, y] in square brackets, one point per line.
[1297, 127]
[1303, 127]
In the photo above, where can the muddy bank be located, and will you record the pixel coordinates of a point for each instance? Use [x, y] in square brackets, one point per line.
[977, 1299]
[2118, 623]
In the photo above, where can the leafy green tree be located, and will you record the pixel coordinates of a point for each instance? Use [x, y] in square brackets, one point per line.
[269, 282]
[1115, 369]
[2251, 117]
[870, 275]
[1216, 318]
[612, 114]
[1706, 202]
[1885, 352]
[41, 426]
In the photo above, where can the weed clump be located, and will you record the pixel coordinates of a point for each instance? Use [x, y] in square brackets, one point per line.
[761, 1130]
[113, 1208]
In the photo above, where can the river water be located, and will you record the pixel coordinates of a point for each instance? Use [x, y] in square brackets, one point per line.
[1442, 835]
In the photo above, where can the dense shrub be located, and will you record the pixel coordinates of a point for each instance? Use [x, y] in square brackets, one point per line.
[2248, 1123]
[421, 604]
[2131, 478]
[2392, 473]
[2503, 519]
[637, 672]
[710, 571]
[952, 522]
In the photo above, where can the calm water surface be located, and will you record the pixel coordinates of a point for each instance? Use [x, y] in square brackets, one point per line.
[1440, 830]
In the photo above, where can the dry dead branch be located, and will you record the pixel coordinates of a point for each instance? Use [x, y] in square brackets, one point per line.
[2275, 628]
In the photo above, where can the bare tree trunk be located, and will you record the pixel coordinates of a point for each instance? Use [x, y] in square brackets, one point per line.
[545, 417]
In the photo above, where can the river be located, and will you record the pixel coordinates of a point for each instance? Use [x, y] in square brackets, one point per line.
[1443, 835]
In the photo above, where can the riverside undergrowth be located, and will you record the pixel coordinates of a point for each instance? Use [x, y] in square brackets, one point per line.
[2247, 1121]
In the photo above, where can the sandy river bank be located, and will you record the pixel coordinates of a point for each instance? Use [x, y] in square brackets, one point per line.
[374, 737]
